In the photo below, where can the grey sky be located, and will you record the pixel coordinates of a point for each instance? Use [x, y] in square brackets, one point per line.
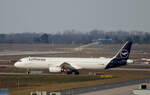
[52, 16]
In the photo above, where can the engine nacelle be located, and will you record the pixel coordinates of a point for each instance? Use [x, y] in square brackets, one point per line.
[129, 61]
[55, 69]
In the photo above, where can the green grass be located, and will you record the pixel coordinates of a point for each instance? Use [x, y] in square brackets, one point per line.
[10, 81]
[24, 84]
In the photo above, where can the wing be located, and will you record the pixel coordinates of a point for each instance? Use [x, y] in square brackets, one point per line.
[67, 66]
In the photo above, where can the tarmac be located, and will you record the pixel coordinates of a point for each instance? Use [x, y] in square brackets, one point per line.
[130, 69]
[8, 53]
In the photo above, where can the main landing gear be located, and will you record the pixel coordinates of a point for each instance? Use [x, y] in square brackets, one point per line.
[73, 72]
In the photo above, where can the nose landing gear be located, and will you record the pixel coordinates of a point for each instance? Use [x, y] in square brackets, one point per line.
[28, 71]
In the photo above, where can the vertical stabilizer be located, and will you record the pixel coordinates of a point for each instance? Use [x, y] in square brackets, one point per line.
[121, 57]
[124, 52]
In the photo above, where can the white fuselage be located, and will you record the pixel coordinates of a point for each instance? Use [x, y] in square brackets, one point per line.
[58, 64]
[77, 63]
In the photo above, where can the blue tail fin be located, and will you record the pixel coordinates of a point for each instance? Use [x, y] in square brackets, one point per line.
[121, 57]
[124, 52]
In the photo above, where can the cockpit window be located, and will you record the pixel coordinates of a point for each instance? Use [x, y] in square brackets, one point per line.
[19, 61]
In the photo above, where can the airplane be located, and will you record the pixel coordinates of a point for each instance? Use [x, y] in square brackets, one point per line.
[73, 65]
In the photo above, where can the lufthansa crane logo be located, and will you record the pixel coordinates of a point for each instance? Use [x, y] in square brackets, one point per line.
[124, 53]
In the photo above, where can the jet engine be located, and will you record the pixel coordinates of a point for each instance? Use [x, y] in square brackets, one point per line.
[129, 61]
[55, 69]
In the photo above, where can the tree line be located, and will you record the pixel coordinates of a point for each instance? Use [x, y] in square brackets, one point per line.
[75, 37]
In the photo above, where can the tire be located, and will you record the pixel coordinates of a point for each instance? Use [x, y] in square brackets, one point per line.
[69, 73]
[28, 72]
[76, 73]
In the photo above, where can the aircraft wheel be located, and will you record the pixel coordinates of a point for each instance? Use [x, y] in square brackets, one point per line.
[76, 73]
[28, 72]
[68, 73]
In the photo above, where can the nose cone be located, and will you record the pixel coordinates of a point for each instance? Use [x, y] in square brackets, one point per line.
[17, 64]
